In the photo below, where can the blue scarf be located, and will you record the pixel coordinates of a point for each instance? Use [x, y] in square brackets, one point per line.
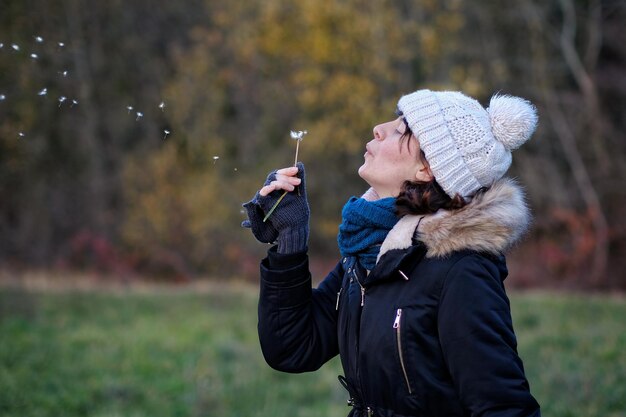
[364, 226]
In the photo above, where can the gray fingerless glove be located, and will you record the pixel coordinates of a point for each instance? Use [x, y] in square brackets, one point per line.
[288, 225]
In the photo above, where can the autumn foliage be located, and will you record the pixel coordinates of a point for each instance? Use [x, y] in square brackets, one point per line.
[93, 187]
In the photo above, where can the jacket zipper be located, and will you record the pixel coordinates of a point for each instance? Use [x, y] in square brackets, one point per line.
[370, 412]
[338, 295]
[397, 325]
[362, 288]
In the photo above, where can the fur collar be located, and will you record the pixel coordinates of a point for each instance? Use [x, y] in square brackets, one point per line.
[492, 222]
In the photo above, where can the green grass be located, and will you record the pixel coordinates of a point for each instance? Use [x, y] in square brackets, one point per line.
[173, 353]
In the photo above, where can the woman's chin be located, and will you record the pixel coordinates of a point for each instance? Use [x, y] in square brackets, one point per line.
[364, 176]
[361, 171]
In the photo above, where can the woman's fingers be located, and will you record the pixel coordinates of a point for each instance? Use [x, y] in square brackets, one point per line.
[281, 183]
[275, 185]
[290, 171]
[285, 180]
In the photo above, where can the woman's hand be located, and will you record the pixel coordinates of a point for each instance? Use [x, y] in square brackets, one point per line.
[286, 179]
[289, 223]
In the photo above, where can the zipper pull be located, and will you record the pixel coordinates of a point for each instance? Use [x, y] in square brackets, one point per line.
[338, 295]
[360, 285]
[396, 323]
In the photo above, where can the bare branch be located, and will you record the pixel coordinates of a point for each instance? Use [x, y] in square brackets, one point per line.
[585, 83]
[563, 131]
[594, 28]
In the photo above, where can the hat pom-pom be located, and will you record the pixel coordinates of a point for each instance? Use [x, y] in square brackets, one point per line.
[513, 120]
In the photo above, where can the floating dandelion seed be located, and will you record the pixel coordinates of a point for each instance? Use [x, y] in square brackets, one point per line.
[21, 134]
[215, 159]
[38, 39]
[2, 97]
[162, 106]
[61, 44]
[1, 45]
[167, 132]
[298, 136]
[235, 169]
[129, 108]
[43, 92]
[64, 73]
[74, 103]
[34, 56]
[15, 47]
[61, 100]
[139, 115]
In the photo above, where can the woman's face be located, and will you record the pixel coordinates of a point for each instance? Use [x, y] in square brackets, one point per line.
[388, 161]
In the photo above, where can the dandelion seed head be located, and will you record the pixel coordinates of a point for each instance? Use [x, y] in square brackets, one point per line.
[34, 56]
[43, 92]
[38, 39]
[299, 135]
[129, 108]
[74, 102]
[215, 158]
[139, 115]
[61, 44]
[61, 100]
[21, 134]
[162, 106]
[166, 132]
[15, 47]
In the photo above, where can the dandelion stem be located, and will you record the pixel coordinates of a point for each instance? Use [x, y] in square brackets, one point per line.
[269, 213]
[295, 163]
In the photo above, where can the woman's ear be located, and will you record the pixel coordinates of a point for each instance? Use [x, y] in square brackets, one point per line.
[424, 174]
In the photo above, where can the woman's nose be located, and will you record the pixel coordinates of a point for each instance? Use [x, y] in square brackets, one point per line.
[378, 133]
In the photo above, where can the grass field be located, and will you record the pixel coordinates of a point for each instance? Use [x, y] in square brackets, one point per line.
[195, 353]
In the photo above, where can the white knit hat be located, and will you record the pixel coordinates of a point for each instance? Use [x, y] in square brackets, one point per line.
[466, 146]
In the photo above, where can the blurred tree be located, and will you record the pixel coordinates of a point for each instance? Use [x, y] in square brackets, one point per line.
[237, 76]
[64, 175]
[552, 54]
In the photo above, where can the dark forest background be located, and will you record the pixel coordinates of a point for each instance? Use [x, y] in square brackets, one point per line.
[94, 186]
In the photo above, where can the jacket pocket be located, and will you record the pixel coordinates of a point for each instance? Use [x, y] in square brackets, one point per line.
[397, 326]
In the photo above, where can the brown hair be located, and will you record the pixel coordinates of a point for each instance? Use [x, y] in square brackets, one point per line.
[419, 197]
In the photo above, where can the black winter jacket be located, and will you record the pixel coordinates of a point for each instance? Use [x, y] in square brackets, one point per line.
[427, 332]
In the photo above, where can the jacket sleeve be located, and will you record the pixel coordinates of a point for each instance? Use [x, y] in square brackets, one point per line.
[297, 324]
[478, 342]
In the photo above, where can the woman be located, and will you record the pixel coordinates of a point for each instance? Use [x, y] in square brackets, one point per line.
[416, 308]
